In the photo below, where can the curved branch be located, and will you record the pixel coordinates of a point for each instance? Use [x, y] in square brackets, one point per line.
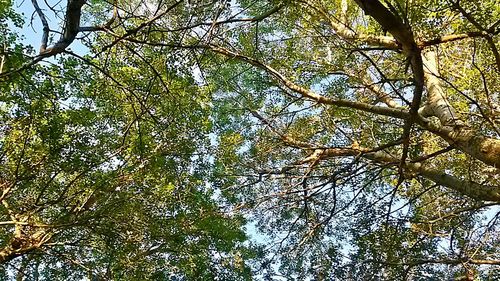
[308, 94]
[70, 30]
[348, 34]
[466, 187]
[479, 147]
[317, 153]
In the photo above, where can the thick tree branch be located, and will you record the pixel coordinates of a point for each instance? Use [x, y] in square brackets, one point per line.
[482, 148]
[348, 34]
[466, 187]
[392, 23]
[451, 128]
[451, 38]
[25, 238]
[308, 94]
[70, 29]
[69, 33]
[317, 153]
[436, 104]
[403, 34]
[440, 261]
[469, 141]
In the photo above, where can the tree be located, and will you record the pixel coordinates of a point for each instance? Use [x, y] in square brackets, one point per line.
[102, 173]
[361, 137]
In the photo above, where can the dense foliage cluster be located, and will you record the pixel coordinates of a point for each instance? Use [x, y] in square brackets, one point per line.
[240, 140]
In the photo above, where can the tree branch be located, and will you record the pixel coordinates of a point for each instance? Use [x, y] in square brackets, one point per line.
[466, 187]
[440, 261]
[310, 95]
[70, 30]
[436, 105]
[488, 37]
[451, 38]
[45, 24]
[403, 34]
[348, 34]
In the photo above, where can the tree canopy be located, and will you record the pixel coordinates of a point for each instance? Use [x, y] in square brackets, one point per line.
[250, 140]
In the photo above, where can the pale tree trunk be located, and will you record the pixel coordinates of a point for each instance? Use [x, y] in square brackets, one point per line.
[436, 105]
[453, 130]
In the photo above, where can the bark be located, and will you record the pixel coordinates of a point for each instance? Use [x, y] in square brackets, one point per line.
[469, 141]
[451, 128]
[466, 187]
[71, 25]
[25, 238]
[45, 24]
[436, 105]
[70, 29]
[18, 246]
[348, 34]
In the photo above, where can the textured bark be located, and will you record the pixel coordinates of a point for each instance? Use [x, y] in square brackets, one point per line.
[25, 237]
[22, 244]
[451, 128]
[466, 187]
[469, 141]
[436, 105]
